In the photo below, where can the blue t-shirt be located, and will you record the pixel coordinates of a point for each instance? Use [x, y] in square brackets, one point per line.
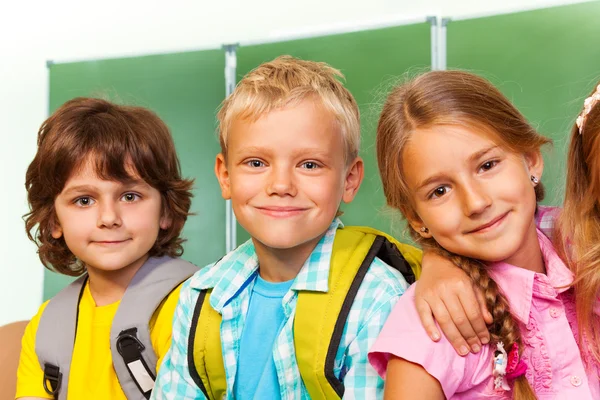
[256, 373]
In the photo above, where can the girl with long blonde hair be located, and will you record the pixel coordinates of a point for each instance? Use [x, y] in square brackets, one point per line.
[463, 166]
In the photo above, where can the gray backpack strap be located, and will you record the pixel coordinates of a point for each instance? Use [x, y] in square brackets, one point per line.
[55, 338]
[133, 356]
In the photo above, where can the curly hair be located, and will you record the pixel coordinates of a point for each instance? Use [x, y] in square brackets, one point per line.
[455, 98]
[121, 141]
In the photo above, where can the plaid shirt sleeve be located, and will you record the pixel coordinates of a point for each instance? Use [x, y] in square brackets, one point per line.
[174, 380]
[373, 304]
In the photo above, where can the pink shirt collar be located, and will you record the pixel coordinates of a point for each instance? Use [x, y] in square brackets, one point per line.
[519, 284]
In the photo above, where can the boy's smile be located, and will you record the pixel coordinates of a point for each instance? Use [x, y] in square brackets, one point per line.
[110, 243]
[286, 175]
[281, 212]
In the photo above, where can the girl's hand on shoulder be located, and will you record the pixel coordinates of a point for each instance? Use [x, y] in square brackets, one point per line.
[444, 293]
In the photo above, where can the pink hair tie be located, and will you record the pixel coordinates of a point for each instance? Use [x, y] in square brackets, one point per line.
[516, 366]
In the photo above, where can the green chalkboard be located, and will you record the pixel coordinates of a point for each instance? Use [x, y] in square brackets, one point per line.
[546, 61]
[185, 90]
[371, 62]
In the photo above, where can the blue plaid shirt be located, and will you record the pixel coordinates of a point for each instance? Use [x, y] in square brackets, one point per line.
[380, 290]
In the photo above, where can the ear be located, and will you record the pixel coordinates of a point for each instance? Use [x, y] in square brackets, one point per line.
[223, 176]
[56, 231]
[354, 177]
[165, 222]
[418, 226]
[535, 163]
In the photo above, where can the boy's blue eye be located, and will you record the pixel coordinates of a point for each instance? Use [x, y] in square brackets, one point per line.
[255, 163]
[310, 165]
[84, 201]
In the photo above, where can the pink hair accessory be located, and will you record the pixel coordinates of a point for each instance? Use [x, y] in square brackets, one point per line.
[506, 366]
[587, 107]
[516, 367]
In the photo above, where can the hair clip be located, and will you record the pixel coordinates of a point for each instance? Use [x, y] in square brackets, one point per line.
[499, 368]
[587, 107]
[507, 366]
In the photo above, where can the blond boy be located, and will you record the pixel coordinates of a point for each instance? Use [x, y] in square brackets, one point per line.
[290, 137]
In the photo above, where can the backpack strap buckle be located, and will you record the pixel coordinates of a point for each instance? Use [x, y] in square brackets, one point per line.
[130, 348]
[128, 341]
[53, 376]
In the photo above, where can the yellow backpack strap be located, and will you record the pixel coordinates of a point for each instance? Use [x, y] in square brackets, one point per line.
[321, 317]
[397, 254]
[205, 358]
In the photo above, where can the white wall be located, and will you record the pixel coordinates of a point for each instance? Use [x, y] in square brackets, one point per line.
[32, 33]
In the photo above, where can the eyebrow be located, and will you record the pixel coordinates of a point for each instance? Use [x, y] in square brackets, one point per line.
[80, 189]
[93, 189]
[472, 158]
[430, 180]
[312, 153]
[476, 156]
[251, 151]
[308, 152]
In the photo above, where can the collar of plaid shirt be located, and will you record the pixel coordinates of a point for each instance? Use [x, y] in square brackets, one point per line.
[232, 279]
[234, 271]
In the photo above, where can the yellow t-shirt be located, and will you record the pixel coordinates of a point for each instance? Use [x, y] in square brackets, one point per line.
[92, 374]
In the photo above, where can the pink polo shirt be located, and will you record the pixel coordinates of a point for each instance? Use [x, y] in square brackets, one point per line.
[555, 367]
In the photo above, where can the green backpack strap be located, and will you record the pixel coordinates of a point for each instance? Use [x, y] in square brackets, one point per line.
[321, 317]
[205, 358]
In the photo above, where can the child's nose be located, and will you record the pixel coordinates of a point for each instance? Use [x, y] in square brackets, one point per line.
[476, 200]
[281, 182]
[108, 216]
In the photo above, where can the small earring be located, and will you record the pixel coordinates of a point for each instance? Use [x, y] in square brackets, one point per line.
[535, 180]
[424, 229]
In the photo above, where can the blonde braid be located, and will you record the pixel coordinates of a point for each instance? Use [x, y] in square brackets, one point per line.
[442, 98]
[504, 328]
